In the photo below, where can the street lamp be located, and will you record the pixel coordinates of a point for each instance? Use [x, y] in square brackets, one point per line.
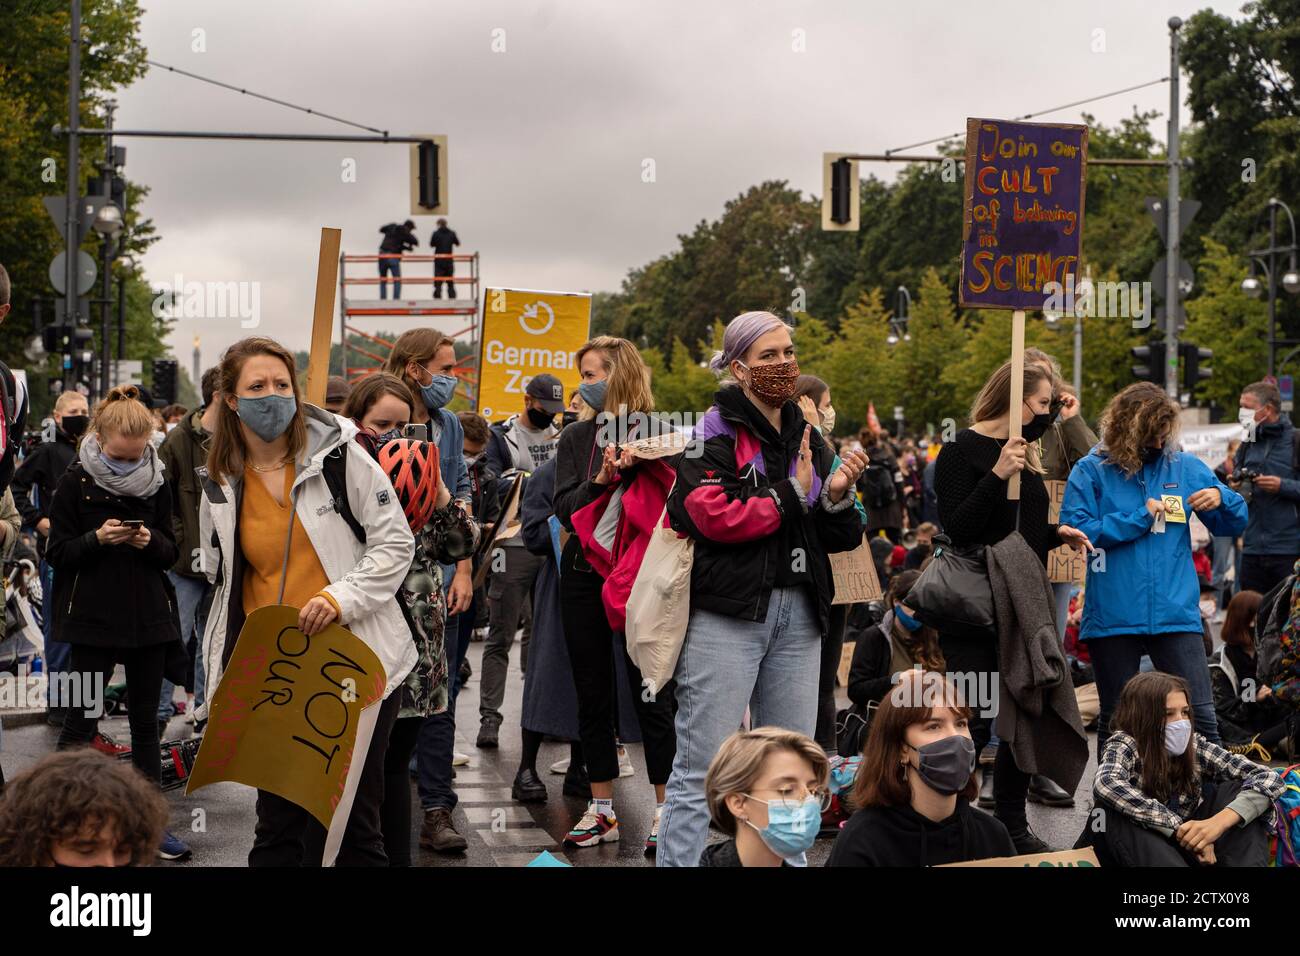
[902, 315]
[108, 221]
[1266, 260]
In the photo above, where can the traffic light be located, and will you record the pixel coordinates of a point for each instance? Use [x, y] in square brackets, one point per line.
[840, 193]
[1151, 359]
[428, 173]
[1195, 370]
[429, 176]
[164, 382]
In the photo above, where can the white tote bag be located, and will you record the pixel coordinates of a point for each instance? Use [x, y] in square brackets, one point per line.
[659, 606]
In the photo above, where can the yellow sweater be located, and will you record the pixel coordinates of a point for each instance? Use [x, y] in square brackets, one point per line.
[263, 525]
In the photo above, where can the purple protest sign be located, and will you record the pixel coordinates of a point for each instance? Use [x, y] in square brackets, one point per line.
[1022, 221]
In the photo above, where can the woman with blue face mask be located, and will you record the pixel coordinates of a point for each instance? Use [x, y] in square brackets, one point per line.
[915, 785]
[294, 512]
[766, 789]
[898, 643]
[1167, 796]
[110, 544]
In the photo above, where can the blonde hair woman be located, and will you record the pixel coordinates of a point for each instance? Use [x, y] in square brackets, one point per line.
[766, 789]
[617, 401]
[110, 545]
[1147, 601]
[970, 483]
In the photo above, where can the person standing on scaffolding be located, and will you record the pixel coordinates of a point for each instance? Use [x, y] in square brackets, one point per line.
[441, 242]
[397, 240]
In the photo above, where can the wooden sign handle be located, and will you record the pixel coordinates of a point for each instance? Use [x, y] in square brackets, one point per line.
[1017, 391]
[322, 323]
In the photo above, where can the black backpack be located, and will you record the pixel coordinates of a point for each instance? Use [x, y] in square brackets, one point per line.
[15, 425]
[878, 486]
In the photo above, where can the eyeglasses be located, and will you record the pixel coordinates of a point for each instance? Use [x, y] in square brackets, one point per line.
[791, 797]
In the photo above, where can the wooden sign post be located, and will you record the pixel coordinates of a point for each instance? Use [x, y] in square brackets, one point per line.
[322, 323]
[1022, 228]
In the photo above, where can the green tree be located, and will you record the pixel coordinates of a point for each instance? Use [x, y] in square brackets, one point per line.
[1224, 319]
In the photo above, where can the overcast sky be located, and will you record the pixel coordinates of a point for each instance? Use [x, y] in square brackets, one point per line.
[548, 138]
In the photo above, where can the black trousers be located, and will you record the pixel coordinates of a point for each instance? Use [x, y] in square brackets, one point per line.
[93, 667]
[592, 645]
[287, 835]
[1121, 841]
[1262, 572]
[832, 646]
[395, 814]
[974, 662]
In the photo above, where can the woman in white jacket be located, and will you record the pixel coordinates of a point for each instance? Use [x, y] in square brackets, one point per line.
[269, 463]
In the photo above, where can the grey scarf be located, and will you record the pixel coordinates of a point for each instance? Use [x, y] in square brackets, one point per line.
[141, 483]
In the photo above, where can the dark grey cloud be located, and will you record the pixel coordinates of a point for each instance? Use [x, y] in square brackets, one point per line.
[548, 138]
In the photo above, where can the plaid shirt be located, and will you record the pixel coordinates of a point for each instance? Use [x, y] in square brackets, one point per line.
[1120, 774]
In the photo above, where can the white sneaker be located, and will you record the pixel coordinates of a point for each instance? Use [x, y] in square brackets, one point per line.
[560, 766]
[459, 759]
[625, 768]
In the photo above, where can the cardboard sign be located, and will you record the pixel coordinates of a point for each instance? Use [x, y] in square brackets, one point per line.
[658, 446]
[507, 526]
[286, 714]
[1080, 858]
[1022, 219]
[855, 576]
[846, 663]
[526, 333]
[1064, 564]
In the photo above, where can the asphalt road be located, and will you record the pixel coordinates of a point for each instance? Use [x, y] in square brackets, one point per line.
[218, 821]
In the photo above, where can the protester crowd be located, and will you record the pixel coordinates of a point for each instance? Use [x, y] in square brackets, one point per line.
[973, 681]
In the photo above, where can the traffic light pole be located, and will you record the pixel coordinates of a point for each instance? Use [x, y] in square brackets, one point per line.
[1173, 303]
[71, 221]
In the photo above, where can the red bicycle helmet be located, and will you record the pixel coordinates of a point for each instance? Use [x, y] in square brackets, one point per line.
[412, 467]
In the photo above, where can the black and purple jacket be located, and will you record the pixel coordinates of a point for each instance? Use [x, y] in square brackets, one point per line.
[754, 531]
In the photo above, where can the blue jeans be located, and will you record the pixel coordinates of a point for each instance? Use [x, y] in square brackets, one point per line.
[193, 614]
[437, 737]
[1117, 659]
[726, 664]
[393, 266]
[57, 653]
[1225, 557]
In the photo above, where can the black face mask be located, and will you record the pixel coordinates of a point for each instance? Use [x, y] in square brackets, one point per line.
[74, 426]
[1151, 455]
[540, 418]
[1035, 429]
[568, 418]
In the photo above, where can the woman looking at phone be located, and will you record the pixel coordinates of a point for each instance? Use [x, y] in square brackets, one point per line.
[111, 543]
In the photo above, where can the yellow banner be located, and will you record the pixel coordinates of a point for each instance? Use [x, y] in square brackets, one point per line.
[526, 333]
[284, 718]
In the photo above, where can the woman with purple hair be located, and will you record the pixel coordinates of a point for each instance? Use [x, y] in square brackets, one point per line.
[759, 491]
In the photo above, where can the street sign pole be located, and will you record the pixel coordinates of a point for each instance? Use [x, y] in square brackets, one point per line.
[1173, 305]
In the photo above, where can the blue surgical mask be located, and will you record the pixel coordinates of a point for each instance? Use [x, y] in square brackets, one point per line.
[593, 393]
[790, 832]
[120, 468]
[438, 392]
[268, 415]
[905, 619]
[1178, 734]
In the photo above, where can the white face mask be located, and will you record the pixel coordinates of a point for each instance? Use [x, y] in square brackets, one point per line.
[828, 419]
[1246, 416]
